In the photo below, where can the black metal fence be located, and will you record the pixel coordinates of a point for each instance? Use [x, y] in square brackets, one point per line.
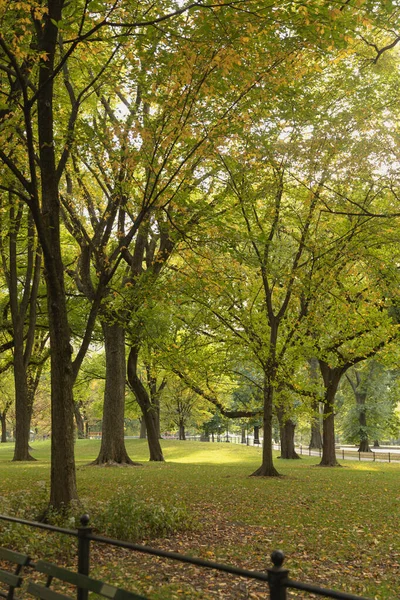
[276, 577]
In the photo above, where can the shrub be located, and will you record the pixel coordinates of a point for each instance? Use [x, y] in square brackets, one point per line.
[128, 518]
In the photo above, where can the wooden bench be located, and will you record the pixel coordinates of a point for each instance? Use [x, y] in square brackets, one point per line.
[78, 581]
[11, 580]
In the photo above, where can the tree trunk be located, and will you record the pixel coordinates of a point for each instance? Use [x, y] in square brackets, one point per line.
[182, 435]
[331, 379]
[286, 430]
[287, 440]
[3, 423]
[316, 437]
[46, 213]
[149, 414]
[112, 449]
[243, 431]
[362, 419]
[155, 401]
[23, 410]
[23, 305]
[143, 432]
[376, 443]
[360, 396]
[257, 434]
[79, 420]
[267, 468]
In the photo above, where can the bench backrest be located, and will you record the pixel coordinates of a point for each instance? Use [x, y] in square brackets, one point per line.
[11, 580]
[77, 580]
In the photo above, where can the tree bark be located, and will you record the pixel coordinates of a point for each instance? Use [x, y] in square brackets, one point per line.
[154, 397]
[112, 449]
[182, 434]
[63, 490]
[3, 424]
[79, 420]
[362, 420]
[23, 409]
[23, 298]
[150, 416]
[315, 434]
[267, 468]
[331, 377]
[287, 440]
[143, 432]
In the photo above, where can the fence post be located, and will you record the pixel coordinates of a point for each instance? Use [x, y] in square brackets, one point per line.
[83, 553]
[277, 576]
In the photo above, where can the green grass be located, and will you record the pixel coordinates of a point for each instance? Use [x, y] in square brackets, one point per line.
[338, 527]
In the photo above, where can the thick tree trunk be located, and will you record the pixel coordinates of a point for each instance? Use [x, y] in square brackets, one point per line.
[46, 212]
[257, 434]
[364, 446]
[182, 434]
[150, 416]
[287, 440]
[112, 449]
[63, 490]
[286, 430]
[267, 468]
[376, 443]
[328, 458]
[331, 381]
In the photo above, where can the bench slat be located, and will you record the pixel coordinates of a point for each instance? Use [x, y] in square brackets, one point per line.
[85, 582]
[14, 557]
[10, 579]
[45, 593]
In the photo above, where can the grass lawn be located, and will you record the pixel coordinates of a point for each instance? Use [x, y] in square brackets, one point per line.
[338, 527]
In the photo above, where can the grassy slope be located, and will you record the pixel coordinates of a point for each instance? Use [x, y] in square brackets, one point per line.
[338, 527]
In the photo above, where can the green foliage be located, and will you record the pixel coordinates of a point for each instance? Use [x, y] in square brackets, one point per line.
[380, 389]
[127, 516]
[32, 505]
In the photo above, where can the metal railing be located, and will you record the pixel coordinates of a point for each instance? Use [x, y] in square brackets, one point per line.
[276, 577]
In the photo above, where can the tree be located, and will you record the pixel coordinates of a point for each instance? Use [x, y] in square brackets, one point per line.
[179, 404]
[23, 281]
[373, 414]
[34, 62]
